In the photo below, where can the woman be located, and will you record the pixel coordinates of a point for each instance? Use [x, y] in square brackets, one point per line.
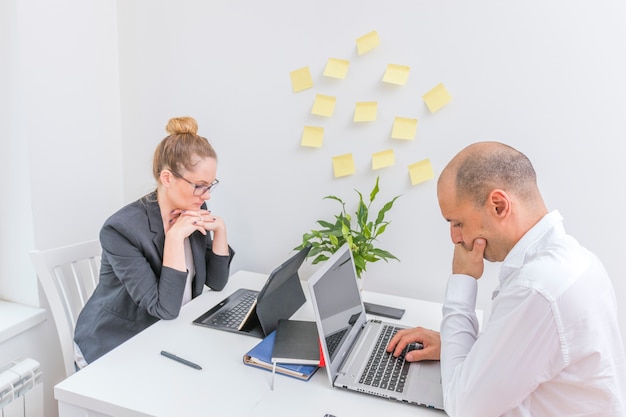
[160, 251]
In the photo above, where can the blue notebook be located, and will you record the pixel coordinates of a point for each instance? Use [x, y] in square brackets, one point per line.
[260, 356]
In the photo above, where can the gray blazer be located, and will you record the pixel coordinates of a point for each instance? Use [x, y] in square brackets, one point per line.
[135, 290]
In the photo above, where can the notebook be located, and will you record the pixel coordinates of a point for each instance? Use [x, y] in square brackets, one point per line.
[349, 340]
[256, 313]
[260, 356]
[296, 342]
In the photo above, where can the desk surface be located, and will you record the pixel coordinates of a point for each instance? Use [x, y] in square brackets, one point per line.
[135, 380]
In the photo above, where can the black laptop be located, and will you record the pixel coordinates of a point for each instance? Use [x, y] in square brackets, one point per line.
[256, 313]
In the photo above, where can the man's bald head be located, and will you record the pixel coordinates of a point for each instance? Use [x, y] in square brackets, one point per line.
[484, 166]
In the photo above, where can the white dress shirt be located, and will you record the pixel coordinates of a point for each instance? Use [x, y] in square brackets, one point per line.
[552, 346]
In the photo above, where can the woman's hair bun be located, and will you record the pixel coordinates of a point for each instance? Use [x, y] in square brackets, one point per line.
[178, 125]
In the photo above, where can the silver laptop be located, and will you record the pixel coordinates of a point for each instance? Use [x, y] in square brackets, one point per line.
[353, 346]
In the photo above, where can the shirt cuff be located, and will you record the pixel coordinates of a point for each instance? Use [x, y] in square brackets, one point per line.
[462, 290]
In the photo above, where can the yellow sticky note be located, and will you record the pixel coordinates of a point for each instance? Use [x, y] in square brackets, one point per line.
[396, 74]
[301, 79]
[404, 128]
[367, 42]
[383, 159]
[421, 171]
[365, 111]
[437, 98]
[324, 105]
[336, 68]
[343, 165]
[312, 136]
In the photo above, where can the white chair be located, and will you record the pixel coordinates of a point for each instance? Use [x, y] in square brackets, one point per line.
[68, 276]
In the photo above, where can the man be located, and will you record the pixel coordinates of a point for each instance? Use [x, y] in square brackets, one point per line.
[552, 346]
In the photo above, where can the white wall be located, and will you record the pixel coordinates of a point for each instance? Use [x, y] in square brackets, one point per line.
[15, 222]
[544, 76]
[61, 163]
[70, 116]
[62, 166]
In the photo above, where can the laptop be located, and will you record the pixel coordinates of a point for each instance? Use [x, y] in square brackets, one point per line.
[256, 313]
[349, 341]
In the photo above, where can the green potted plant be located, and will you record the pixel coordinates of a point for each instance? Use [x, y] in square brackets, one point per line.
[361, 236]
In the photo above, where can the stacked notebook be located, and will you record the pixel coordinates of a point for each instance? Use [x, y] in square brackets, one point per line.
[292, 349]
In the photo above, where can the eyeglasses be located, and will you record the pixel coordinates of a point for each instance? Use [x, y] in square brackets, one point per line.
[199, 190]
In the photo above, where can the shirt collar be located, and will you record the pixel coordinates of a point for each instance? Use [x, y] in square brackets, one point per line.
[528, 244]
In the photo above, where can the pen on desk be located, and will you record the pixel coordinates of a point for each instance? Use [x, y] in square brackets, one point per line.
[181, 360]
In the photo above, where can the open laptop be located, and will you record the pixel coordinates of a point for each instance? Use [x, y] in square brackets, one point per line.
[349, 340]
[256, 313]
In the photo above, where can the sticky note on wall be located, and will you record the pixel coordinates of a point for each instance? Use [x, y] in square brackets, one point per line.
[404, 128]
[365, 111]
[301, 79]
[367, 42]
[336, 68]
[421, 171]
[383, 159]
[324, 105]
[396, 74]
[343, 165]
[437, 98]
[312, 136]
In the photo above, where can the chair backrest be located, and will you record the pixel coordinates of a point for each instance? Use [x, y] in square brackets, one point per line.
[68, 276]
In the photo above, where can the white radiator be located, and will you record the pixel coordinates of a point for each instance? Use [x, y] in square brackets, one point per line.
[21, 389]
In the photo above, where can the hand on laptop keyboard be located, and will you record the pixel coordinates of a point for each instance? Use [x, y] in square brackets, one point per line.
[410, 347]
[429, 340]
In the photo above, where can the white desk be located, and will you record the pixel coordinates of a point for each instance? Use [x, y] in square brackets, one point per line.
[135, 380]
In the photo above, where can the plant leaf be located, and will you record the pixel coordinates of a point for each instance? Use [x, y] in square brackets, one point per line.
[381, 229]
[371, 258]
[320, 258]
[362, 214]
[326, 224]
[332, 197]
[383, 254]
[385, 209]
[367, 232]
[349, 240]
[315, 250]
[374, 190]
[359, 262]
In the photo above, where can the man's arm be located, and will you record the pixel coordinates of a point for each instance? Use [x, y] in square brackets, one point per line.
[518, 350]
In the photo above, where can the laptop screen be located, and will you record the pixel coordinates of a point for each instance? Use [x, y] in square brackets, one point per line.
[284, 272]
[337, 305]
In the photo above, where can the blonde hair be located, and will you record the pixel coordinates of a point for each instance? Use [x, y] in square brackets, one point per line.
[184, 124]
[178, 151]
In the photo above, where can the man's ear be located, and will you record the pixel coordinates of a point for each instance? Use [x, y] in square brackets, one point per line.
[500, 203]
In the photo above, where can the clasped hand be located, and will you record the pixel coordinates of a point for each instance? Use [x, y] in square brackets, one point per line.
[188, 221]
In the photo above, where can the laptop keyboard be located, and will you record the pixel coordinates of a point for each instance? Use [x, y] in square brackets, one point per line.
[232, 317]
[333, 340]
[383, 370]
